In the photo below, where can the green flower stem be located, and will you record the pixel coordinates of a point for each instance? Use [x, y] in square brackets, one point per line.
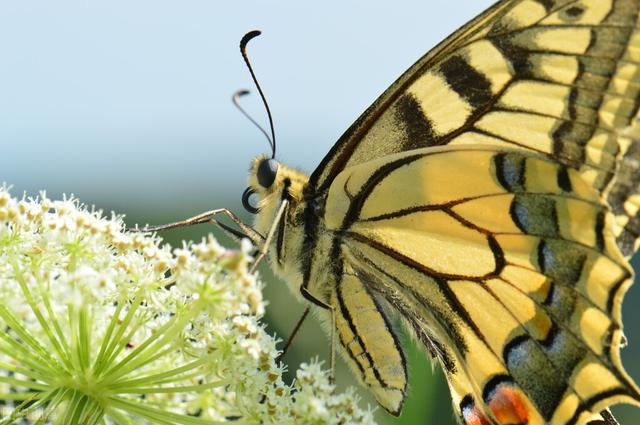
[185, 388]
[76, 409]
[17, 351]
[58, 340]
[20, 396]
[34, 307]
[162, 417]
[143, 353]
[23, 383]
[28, 343]
[110, 341]
[30, 373]
[27, 406]
[173, 374]
[83, 339]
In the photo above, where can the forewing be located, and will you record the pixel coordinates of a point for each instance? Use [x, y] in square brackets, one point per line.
[558, 77]
[506, 266]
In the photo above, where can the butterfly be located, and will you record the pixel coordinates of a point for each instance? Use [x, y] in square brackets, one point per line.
[489, 198]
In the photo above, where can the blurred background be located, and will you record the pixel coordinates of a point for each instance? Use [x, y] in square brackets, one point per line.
[127, 106]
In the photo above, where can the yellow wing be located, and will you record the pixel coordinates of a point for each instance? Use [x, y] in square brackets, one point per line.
[558, 77]
[506, 266]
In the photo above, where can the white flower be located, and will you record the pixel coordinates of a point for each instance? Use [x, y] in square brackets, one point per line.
[99, 325]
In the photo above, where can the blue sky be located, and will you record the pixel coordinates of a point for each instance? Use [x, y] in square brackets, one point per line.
[124, 101]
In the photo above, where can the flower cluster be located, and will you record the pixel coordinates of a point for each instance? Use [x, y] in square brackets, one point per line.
[99, 325]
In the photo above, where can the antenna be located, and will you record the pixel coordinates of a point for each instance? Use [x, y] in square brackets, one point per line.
[243, 50]
[236, 102]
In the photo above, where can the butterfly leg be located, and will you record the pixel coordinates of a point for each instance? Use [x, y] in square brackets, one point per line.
[277, 222]
[332, 377]
[293, 334]
[207, 217]
[307, 295]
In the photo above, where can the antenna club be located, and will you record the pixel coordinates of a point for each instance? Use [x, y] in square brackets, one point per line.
[243, 45]
[248, 37]
[240, 93]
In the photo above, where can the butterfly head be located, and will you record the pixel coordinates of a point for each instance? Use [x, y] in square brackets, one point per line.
[269, 183]
[266, 172]
[263, 176]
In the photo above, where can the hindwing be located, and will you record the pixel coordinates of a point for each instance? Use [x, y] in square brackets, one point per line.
[505, 265]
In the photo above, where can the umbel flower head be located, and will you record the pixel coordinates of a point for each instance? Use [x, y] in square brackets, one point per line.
[102, 326]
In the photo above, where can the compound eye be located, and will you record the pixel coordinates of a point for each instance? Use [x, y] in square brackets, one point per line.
[245, 201]
[267, 170]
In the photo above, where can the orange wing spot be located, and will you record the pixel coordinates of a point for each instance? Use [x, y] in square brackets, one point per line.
[472, 416]
[508, 407]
